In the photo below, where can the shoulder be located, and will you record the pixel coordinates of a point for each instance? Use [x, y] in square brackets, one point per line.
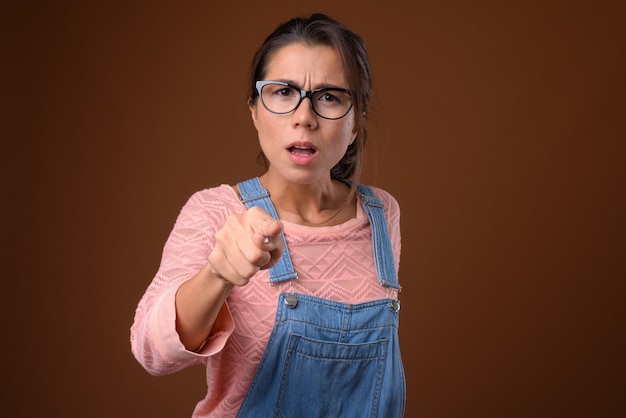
[213, 205]
[389, 201]
[222, 195]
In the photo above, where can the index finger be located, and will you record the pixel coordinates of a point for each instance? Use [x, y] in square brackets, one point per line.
[263, 225]
[266, 231]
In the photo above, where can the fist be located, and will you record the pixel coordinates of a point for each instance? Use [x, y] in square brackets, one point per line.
[247, 243]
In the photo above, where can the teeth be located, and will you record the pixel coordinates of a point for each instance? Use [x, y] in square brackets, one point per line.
[301, 150]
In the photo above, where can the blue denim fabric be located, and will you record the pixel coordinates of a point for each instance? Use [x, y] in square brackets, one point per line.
[253, 194]
[326, 358]
[383, 254]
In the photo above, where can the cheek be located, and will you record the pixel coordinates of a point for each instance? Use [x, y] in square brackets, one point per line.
[261, 124]
[263, 120]
[350, 131]
[341, 146]
[267, 132]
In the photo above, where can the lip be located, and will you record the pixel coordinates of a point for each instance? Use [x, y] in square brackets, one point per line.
[307, 154]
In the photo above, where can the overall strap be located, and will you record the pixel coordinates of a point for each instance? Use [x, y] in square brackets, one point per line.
[381, 244]
[253, 194]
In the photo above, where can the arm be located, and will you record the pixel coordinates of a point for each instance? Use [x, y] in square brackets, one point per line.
[183, 316]
[245, 244]
[154, 339]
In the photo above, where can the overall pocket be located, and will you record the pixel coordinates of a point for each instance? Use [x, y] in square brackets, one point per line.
[329, 379]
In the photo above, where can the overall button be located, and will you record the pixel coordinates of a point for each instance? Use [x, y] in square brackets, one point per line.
[291, 301]
[394, 305]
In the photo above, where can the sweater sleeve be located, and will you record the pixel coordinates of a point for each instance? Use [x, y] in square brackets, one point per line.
[154, 340]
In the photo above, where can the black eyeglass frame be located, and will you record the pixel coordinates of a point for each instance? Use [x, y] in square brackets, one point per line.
[303, 93]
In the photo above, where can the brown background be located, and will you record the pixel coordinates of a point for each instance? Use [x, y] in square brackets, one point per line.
[498, 125]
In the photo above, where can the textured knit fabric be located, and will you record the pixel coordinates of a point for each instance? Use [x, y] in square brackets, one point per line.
[334, 263]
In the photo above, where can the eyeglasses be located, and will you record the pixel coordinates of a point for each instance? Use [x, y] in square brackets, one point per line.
[280, 98]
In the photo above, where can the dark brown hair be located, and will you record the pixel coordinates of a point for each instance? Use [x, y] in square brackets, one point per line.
[320, 29]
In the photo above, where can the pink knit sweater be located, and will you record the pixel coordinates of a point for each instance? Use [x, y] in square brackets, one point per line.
[333, 262]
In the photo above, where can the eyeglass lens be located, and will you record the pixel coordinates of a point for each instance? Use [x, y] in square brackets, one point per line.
[328, 103]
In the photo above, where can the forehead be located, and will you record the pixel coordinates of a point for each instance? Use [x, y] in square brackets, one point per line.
[297, 62]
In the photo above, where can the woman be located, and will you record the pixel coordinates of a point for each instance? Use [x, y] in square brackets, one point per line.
[285, 285]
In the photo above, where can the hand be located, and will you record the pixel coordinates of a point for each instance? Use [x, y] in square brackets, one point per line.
[247, 243]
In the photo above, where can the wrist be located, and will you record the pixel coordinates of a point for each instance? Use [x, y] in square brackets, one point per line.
[226, 284]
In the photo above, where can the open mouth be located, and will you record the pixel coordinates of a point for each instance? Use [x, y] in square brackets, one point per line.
[301, 150]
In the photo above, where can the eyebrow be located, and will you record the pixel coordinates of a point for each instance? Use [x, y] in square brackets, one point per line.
[323, 86]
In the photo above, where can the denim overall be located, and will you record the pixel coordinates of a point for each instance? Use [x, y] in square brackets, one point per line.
[326, 358]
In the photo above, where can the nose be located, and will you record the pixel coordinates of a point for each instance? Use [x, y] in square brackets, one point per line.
[304, 115]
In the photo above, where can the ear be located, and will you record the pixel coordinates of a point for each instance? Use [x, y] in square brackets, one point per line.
[354, 134]
[252, 106]
[355, 128]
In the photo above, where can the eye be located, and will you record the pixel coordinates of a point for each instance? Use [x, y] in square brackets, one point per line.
[284, 91]
[327, 96]
[333, 97]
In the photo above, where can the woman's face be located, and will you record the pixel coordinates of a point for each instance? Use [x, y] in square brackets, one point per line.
[301, 146]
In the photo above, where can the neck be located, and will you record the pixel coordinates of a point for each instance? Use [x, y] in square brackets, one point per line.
[324, 203]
